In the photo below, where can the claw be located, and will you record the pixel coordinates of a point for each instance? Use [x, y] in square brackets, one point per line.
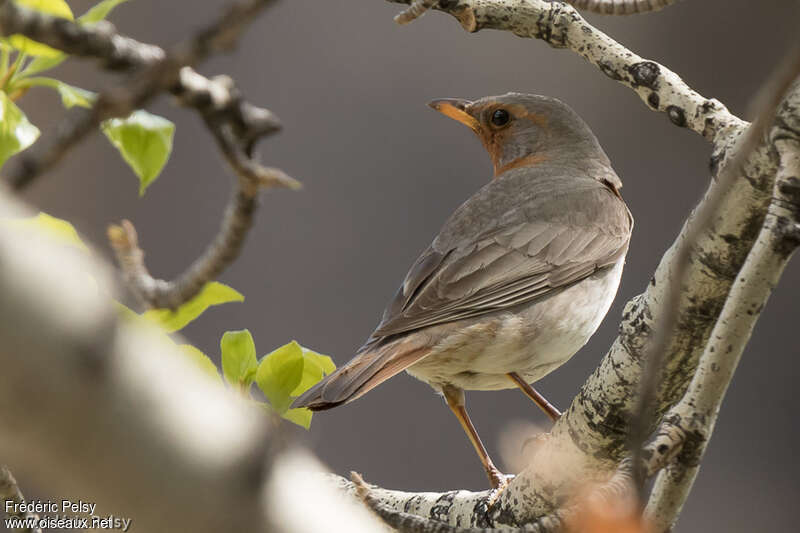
[499, 484]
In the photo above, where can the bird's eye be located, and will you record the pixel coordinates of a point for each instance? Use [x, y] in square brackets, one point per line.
[500, 117]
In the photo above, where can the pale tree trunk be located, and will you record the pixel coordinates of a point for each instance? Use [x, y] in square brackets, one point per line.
[143, 450]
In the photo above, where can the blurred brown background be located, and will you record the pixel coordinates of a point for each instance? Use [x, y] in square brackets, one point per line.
[381, 174]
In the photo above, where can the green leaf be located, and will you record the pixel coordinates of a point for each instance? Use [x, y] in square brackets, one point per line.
[55, 228]
[300, 416]
[315, 367]
[145, 142]
[99, 12]
[70, 95]
[74, 96]
[279, 374]
[201, 359]
[16, 133]
[214, 293]
[239, 363]
[57, 8]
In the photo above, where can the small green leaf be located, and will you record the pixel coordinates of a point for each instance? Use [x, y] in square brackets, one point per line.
[99, 12]
[239, 363]
[55, 228]
[145, 142]
[16, 132]
[57, 8]
[201, 359]
[214, 293]
[315, 367]
[300, 416]
[279, 374]
[74, 96]
[70, 95]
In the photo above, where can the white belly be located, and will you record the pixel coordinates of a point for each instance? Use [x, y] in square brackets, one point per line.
[532, 340]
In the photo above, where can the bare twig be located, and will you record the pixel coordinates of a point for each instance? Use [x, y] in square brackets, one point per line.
[235, 129]
[10, 492]
[160, 70]
[235, 124]
[621, 7]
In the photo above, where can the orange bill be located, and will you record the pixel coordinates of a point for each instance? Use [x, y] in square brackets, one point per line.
[455, 108]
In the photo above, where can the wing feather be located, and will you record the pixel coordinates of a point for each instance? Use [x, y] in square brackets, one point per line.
[537, 248]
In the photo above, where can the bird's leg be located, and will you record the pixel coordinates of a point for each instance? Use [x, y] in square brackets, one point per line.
[537, 398]
[455, 400]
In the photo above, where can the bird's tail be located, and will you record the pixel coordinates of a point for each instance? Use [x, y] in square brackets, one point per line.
[361, 374]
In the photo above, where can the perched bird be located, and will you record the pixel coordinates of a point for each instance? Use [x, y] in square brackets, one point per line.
[519, 277]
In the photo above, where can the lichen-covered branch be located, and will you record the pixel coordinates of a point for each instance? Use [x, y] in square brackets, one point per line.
[695, 415]
[10, 492]
[561, 26]
[776, 92]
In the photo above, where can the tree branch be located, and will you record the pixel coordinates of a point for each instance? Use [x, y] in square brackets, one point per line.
[561, 26]
[215, 100]
[235, 124]
[696, 413]
[701, 221]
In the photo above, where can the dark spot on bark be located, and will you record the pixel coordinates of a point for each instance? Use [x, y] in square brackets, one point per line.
[480, 513]
[729, 238]
[608, 69]
[677, 115]
[713, 163]
[653, 100]
[645, 74]
[663, 449]
[790, 187]
[714, 367]
[506, 516]
[708, 106]
[441, 510]
[653, 281]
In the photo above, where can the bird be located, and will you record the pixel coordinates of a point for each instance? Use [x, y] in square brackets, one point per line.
[518, 279]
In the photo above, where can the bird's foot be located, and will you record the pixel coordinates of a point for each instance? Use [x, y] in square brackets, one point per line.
[499, 484]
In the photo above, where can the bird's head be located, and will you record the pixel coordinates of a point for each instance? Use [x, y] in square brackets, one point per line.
[520, 130]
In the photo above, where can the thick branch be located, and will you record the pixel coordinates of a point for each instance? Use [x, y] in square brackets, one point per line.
[127, 421]
[696, 414]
